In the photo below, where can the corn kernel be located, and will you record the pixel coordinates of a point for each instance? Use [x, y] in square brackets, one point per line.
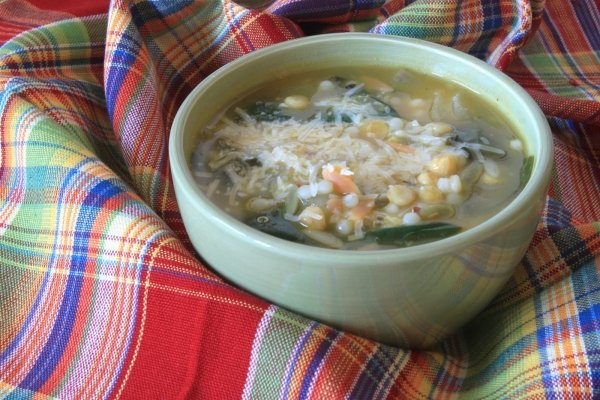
[439, 128]
[401, 195]
[374, 128]
[489, 179]
[426, 178]
[258, 204]
[430, 194]
[313, 217]
[297, 102]
[445, 165]
[375, 84]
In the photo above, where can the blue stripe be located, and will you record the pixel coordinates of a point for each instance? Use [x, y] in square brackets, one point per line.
[374, 371]
[557, 217]
[586, 280]
[123, 58]
[65, 319]
[295, 357]
[584, 11]
[492, 20]
[313, 367]
[458, 28]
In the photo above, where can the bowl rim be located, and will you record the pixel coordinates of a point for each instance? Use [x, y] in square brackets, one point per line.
[537, 183]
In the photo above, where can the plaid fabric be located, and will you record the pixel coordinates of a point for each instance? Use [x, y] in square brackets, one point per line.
[101, 295]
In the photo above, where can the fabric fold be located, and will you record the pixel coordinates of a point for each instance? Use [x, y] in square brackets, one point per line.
[101, 293]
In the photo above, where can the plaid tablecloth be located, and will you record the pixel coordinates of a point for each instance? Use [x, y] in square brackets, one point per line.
[101, 294]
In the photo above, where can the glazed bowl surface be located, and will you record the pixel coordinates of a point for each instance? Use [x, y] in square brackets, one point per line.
[410, 297]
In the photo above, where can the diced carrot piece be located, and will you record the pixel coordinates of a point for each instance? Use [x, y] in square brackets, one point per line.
[341, 183]
[402, 148]
[361, 211]
[335, 205]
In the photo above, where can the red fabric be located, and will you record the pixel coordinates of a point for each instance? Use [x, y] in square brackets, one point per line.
[585, 111]
[78, 8]
[43, 12]
[206, 329]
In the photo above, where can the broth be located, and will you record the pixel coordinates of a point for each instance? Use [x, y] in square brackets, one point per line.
[361, 159]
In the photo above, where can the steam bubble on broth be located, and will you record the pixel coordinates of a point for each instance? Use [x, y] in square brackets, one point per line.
[361, 159]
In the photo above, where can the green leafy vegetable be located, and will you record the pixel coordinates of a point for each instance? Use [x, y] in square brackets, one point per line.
[331, 116]
[273, 223]
[525, 172]
[381, 107]
[266, 111]
[491, 151]
[407, 234]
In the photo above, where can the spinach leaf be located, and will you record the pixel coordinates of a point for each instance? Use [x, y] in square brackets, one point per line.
[525, 172]
[273, 223]
[266, 112]
[404, 235]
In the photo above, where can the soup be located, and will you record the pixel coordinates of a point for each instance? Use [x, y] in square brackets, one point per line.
[361, 159]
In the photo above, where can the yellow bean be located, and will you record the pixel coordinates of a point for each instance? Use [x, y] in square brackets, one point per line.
[374, 128]
[431, 194]
[313, 217]
[489, 179]
[439, 128]
[446, 165]
[376, 85]
[401, 195]
[427, 178]
[297, 102]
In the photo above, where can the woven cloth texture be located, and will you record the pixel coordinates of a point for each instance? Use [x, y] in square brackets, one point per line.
[101, 293]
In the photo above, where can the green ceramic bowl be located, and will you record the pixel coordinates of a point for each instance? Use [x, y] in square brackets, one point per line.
[407, 297]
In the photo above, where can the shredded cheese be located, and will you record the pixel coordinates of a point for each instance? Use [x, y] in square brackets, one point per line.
[296, 151]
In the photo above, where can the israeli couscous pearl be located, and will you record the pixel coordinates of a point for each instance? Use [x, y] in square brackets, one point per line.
[444, 184]
[455, 184]
[396, 124]
[392, 209]
[325, 187]
[516, 144]
[452, 184]
[411, 218]
[326, 85]
[350, 200]
[305, 192]
[344, 227]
